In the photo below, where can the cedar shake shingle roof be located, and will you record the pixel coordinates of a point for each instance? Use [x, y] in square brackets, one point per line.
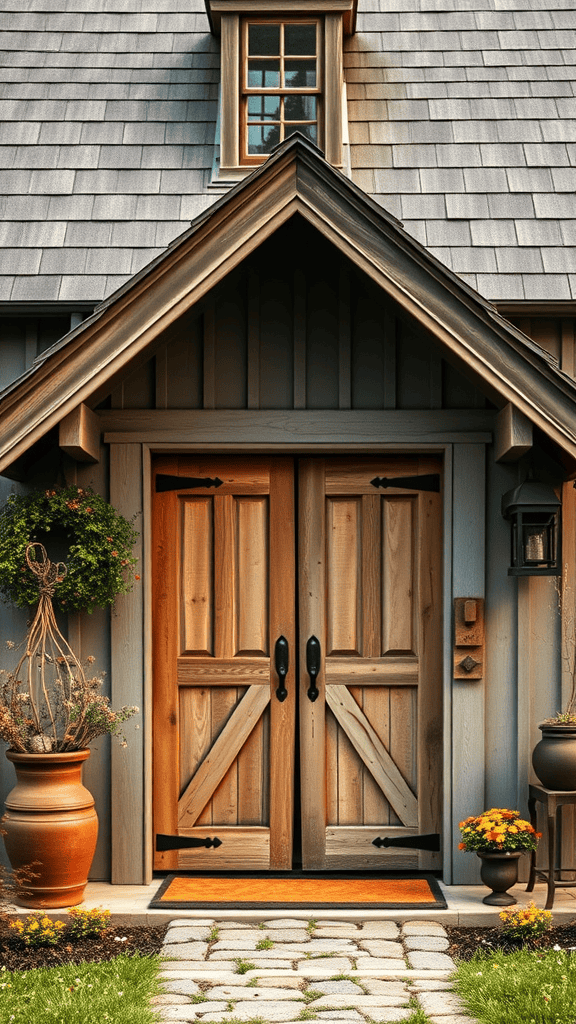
[462, 121]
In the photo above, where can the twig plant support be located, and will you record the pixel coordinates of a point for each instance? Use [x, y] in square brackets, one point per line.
[49, 713]
[61, 713]
[554, 757]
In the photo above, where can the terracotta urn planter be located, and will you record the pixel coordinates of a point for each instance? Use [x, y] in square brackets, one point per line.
[554, 757]
[499, 871]
[50, 818]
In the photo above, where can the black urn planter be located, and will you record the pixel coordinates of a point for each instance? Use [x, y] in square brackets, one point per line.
[554, 757]
[499, 871]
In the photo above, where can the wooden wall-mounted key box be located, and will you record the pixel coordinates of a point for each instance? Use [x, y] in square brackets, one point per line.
[468, 638]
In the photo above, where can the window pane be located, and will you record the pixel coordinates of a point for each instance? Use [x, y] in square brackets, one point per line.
[262, 138]
[299, 74]
[264, 41]
[309, 130]
[263, 74]
[263, 108]
[300, 108]
[300, 40]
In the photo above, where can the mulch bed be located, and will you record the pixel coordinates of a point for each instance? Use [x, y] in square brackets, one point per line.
[113, 941]
[147, 940]
[464, 942]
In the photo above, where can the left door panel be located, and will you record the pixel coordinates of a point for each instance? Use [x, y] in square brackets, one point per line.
[223, 593]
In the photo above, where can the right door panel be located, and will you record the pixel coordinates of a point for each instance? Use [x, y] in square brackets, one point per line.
[370, 591]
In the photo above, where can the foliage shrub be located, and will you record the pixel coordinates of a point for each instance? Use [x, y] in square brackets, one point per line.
[522, 924]
[98, 539]
[38, 929]
[87, 923]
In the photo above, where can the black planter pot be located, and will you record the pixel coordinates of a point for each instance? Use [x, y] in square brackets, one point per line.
[554, 757]
[499, 871]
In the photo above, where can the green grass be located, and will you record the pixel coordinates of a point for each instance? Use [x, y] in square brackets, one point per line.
[118, 991]
[311, 994]
[527, 986]
[243, 966]
[265, 944]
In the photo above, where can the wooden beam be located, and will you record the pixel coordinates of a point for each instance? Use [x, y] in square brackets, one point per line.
[297, 426]
[468, 711]
[333, 81]
[513, 436]
[230, 127]
[217, 10]
[128, 812]
[80, 434]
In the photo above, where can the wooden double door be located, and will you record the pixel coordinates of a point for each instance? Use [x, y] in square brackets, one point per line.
[271, 563]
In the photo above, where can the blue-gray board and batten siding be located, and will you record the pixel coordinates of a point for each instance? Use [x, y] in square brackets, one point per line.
[315, 335]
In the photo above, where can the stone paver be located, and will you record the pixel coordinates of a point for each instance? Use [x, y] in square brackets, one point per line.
[337, 931]
[185, 950]
[332, 965]
[245, 1011]
[423, 928]
[425, 961]
[188, 934]
[345, 987]
[343, 972]
[235, 992]
[342, 1016]
[381, 947]
[428, 943]
[455, 1018]
[361, 1002]
[380, 930]
[283, 922]
[439, 1003]
[182, 986]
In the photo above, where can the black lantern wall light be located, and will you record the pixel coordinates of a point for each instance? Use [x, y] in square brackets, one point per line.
[534, 512]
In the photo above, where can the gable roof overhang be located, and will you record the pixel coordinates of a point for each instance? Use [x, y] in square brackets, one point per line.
[295, 179]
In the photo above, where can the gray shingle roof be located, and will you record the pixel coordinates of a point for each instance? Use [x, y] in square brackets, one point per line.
[462, 120]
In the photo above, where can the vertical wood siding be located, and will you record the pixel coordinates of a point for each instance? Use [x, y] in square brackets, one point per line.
[310, 334]
[314, 333]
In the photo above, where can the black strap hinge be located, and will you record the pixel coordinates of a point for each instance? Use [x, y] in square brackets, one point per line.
[430, 842]
[426, 482]
[185, 842]
[185, 483]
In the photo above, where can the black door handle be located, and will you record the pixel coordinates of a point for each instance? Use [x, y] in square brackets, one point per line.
[281, 662]
[313, 666]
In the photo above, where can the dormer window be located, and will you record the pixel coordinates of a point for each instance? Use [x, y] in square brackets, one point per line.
[282, 83]
[282, 72]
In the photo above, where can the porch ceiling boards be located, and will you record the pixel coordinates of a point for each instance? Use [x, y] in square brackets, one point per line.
[296, 180]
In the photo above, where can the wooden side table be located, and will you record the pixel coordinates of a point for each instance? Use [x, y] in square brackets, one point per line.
[552, 800]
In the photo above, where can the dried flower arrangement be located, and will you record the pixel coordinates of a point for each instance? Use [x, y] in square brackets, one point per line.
[47, 704]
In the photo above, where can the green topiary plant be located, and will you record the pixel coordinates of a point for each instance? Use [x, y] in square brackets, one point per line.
[99, 541]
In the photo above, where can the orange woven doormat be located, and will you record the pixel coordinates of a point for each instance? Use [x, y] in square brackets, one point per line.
[298, 890]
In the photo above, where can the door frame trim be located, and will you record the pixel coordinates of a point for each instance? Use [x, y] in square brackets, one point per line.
[131, 654]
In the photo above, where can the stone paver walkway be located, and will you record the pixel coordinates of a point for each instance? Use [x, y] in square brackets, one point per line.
[338, 972]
